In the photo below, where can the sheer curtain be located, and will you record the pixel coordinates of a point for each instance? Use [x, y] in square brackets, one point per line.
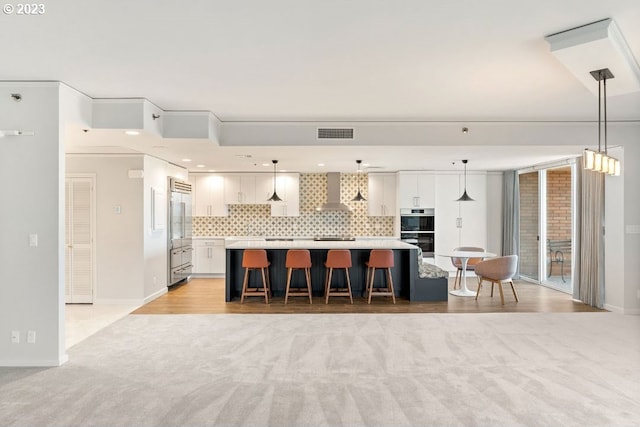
[511, 214]
[590, 263]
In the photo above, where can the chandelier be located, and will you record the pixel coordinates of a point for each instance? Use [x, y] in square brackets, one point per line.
[600, 161]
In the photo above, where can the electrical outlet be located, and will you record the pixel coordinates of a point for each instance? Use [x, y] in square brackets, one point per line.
[31, 337]
[15, 337]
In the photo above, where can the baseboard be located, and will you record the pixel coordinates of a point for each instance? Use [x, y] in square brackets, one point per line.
[632, 311]
[156, 295]
[117, 301]
[614, 309]
[36, 363]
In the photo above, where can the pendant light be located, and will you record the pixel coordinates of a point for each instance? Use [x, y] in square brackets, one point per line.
[359, 197]
[274, 197]
[600, 161]
[465, 197]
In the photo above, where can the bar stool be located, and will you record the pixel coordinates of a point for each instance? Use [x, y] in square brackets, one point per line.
[380, 258]
[298, 259]
[337, 258]
[253, 259]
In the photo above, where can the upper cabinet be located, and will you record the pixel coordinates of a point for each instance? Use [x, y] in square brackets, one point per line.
[382, 194]
[208, 195]
[416, 190]
[214, 192]
[240, 189]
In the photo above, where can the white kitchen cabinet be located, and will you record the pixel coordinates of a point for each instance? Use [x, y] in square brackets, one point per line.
[240, 189]
[416, 190]
[209, 256]
[381, 194]
[208, 195]
[459, 223]
[288, 188]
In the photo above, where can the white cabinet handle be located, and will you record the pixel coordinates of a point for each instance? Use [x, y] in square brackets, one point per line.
[209, 252]
[459, 222]
[239, 197]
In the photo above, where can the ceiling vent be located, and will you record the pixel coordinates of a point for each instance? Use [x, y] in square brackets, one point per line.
[335, 133]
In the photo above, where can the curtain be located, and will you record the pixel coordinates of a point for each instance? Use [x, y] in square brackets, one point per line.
[590, 269]
[511, 214]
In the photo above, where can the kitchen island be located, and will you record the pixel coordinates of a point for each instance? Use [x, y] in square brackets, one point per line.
[404, 273]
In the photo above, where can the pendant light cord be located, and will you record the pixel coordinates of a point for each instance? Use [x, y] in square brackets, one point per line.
[604, 82]
[599, 111]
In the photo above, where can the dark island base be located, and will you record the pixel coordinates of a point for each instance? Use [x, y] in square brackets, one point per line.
[404, 273]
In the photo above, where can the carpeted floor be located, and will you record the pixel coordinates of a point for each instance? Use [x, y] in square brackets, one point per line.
[539, 369]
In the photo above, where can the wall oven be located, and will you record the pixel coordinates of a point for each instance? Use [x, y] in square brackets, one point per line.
[417, 226]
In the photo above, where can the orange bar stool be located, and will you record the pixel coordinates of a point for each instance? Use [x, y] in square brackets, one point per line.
[337, 258]
[298, 259]
[382, 259]
[254, 259]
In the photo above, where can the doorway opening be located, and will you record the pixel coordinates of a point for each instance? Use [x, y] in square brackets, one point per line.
[547, 226]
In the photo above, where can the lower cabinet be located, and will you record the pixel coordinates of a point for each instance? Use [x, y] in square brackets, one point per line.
[209, 257]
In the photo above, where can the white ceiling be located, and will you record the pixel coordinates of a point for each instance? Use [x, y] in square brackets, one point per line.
[435, 64]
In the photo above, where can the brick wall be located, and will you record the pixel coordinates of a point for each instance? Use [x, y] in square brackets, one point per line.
[559, 211]
[529, 218]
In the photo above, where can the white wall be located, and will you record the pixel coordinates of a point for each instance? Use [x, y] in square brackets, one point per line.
[119, 237]
[31, 169]
[613, 238]
[631, 176]
[156, 173]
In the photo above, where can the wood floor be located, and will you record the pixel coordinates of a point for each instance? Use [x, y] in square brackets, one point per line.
[206, 296]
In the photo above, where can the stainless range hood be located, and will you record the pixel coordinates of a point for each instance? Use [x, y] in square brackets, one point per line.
[333, 195]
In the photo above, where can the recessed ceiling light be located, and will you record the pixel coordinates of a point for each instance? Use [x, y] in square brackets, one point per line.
[366, 165]
[132, 132]
[211, 170]
[321, 164]
[199, 166]
[186, 160]
[266, 164]
[284, 170]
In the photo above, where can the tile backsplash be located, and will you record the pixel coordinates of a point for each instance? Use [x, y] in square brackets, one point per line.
[256, 220]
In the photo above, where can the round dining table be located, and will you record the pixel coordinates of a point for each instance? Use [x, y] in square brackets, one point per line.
[464, 258]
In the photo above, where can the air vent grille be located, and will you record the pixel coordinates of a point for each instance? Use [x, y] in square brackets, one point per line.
[335, 133]
[181, 187]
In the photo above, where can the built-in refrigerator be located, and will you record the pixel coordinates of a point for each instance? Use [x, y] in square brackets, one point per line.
[180, 242]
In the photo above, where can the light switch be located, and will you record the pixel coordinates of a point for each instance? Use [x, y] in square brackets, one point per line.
[633, 229]
[33, 240]
[117, 209]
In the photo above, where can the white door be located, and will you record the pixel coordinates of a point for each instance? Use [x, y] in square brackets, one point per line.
[79, 230]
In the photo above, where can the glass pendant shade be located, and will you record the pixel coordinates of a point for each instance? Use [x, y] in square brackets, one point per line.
[605, 164]
[589, 159]
[597, 162]
[616, 169]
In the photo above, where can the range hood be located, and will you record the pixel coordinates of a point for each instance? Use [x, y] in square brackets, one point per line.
[333, 195]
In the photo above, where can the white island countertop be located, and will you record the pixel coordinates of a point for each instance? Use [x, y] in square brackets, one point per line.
[368, 243]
